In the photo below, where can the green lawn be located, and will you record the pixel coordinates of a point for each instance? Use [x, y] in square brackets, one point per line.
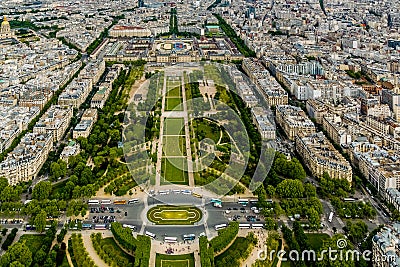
[316, 240]
[173, 170]
[174, 215]
[174, 146]
[33, 242]
[174, 92]
[173, 104]
[186, 260]
[173, 126]
[211, 72]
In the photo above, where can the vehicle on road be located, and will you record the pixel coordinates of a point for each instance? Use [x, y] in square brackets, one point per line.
[220, 226]
[330, 217]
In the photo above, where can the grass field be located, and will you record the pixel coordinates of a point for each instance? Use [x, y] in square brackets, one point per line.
[173, 126]
[173, 170]
[174, 146]
[211, 72]
[316, 240]
[186, 260]
[174, 92]
[173, 103]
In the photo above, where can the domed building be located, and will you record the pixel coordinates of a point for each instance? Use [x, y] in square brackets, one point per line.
[5, 29]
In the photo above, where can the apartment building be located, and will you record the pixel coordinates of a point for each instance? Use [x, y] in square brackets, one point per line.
[294, 121]
[55, 122]
[320, 156]
[24, 162]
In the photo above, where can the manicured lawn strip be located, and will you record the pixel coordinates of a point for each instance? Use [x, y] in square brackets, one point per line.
[316, 240]
[174, 104]
[174, 92]
[173, 126]
[174, 146]
[110, 252]
[170, 215]
[174, 172]
[212, 73]
[186, 260]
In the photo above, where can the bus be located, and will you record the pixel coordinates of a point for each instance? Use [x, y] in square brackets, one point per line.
[220, 226]
[243, 201]
[253, 201]
[197, 195]
[216, 200]
[86, 226]
[151, 235]
[189, 237]
[132, 227]
[170, 239]
[119, 202]
[133, 201]
[93, 202]
[257, 226]
[100, 227]
[244, 226]
[106, 202]
[330, 217]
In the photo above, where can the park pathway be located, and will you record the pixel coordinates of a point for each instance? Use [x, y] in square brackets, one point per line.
[187, 135]
[160, 139]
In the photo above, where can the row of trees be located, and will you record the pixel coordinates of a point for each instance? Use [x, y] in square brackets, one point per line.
[124, 237]
[108, 253]
[240, 44]
[79, 255]
[142, 253]
[239, 250]
[206, 252]
[225, 237]
[9, 239]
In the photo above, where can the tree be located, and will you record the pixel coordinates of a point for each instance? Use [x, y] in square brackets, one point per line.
[270, 191]
[270, 224]
[42, 190]
[40, 221]
[17, 253]
[55, 170]
[290, 189]
[310, 190]
[314, 219]
[356, 231]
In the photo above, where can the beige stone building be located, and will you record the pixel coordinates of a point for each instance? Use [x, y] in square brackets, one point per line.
[320, 156]
[24, 162]
[294, 121]
[55, 122]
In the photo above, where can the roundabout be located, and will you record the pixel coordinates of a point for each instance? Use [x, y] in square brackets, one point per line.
[174, 215]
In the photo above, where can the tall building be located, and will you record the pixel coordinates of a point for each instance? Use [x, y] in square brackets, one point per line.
[141, 3]
[5, 29]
